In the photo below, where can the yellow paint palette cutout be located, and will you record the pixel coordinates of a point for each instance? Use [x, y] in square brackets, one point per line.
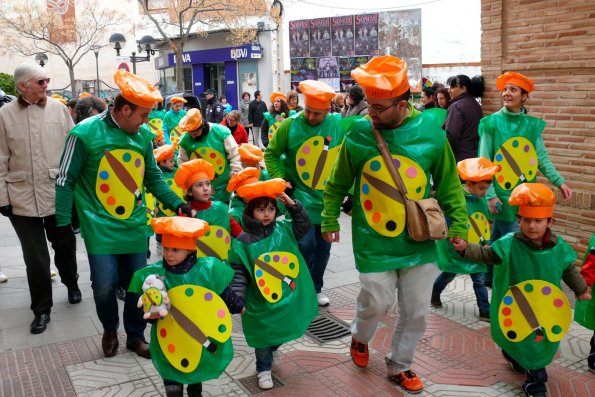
[380, 199]
[518, 161]
[155, 125]
[314, 161]
[534, 307]
[175, 135]
[216, 243]
[273, 128]
[272, 270]
[152, 296]
[151, 208]
[119, 180]
[211, 155]
[479, 228]
[197, 323]
[177, 190]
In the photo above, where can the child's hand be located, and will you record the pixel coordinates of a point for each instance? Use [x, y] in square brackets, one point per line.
[194, 213]
[243, 311]
[458, 243]
[279, 118]
[286, 199]
[585, 297]
[566, 192]
[493, 204]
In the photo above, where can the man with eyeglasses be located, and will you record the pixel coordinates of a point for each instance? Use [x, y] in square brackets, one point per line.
[385, 256]
[33, 130]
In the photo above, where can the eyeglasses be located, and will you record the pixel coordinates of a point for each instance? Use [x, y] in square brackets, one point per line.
[381, 109]
[46, 80]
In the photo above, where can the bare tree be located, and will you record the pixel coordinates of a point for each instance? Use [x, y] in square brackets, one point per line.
[176, 20]
[54, 28]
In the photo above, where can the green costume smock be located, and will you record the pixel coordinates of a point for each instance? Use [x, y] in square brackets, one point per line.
[478, 227]
[273, 123]
[170, 125]
[275, 313]
[217, 241]
[514, 142]
[212, 275]
[420, 150]
[528, 268]
[311, 152]
[108, 170]
[584, 311]
[212, 149]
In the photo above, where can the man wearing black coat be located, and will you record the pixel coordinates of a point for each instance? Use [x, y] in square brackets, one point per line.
[256, 111]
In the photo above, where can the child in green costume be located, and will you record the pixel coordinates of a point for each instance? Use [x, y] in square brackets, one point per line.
[271, 274]
[192, 343]
[584, 311]
[529, 311]
[477, 174]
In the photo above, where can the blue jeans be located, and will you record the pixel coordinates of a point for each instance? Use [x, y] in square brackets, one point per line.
[104, 281]
[316, 252]
[481, 292]
[264, 357]
[499, 229]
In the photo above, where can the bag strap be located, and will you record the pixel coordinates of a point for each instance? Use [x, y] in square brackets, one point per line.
[388, 160]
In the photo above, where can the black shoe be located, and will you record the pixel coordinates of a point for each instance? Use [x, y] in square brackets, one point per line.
[174, 391]
[435, 301]
[74, 295]
[40, 323]
[121, 293]
[76, 229]
[488, 283]
[591, 358]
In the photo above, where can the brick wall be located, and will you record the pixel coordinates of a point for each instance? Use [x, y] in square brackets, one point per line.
[553, 43]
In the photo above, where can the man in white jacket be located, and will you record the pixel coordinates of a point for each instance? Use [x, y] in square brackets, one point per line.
[33, 130]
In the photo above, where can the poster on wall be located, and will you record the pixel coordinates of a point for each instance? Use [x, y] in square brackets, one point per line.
[299, 36]
[302, 69]
[366, 34]
[248, 82]
[328, 72]
[346, 65]
[400, 35]
[320, 37]
[342, 35]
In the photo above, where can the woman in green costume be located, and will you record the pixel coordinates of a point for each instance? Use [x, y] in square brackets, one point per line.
[278, 111]
[271, 274]
[192, 343]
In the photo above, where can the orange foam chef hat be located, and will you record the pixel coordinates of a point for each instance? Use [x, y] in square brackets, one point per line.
[244, 177]
[271, 188]
[317, 95]
[477, 169]
[383, 77]
[277, 95]
[535, 200]
[164, 152]
[192, 171]
[137, 90]
[191, 121]
[180, 231]
[514, 78]
[60, 98]
[158, 134]
[178, 99]
[85, 94]
[250, 154]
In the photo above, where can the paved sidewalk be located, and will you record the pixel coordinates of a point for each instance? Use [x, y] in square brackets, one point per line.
[456, 356]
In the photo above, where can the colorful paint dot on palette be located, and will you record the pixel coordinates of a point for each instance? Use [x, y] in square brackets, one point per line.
[119, 182]
[479, 228]
[195, 326]
[518, 161]
[314, 161]
[217, 160]
[534, 305]
[272, 129]
[274, 272]
[177, 190]
[215, 243]
[380, 200]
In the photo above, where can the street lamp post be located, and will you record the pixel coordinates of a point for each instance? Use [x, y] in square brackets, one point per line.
[41, 58]
[96, 49]
[146, 43]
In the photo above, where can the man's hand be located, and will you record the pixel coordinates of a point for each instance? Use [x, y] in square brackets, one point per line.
[288, 188]
[566, 192]
[184, 210]
[6, 211]
[585, 297]
[494, 204]
[459, 244]
[331, 237]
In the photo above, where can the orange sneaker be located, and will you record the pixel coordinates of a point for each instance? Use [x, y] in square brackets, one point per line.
[409, 381]
[359, 353]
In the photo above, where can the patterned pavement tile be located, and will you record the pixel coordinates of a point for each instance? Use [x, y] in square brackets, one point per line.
[138, 388]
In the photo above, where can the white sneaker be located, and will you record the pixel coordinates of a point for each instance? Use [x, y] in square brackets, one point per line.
[4, 279]
[276, 358]
[265, 380]
[322, 299]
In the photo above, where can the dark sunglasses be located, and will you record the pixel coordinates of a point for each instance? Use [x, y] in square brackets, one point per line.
[40, 82]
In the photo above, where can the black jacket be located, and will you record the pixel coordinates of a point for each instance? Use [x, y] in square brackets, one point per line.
[256, 112]
[215, 112]
[461, 125]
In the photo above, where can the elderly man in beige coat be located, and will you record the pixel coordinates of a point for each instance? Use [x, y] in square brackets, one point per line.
[33, 130]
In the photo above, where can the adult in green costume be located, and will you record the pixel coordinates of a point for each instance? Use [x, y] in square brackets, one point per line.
[192, 361]
[310, 142]
[584, 311]
[213, 143]
[278, 111]
[271, 274]
[172, 119]
[385, 256]
[529, 312]
[106, 164]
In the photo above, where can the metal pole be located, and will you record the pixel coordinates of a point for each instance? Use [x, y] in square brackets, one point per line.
[133, 62]
[97, 87]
